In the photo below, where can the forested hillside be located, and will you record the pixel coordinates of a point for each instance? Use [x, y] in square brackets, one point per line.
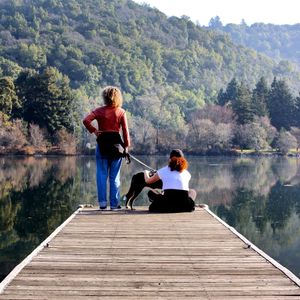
[281, 42]
[56, 55]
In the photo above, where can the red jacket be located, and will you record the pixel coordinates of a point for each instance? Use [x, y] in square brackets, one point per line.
[108, 119]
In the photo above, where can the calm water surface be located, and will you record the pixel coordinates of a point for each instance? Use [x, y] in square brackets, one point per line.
[260, 197]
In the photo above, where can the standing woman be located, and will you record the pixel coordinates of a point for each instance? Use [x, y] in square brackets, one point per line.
[110, 118]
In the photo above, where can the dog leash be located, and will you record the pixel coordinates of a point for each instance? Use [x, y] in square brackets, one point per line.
[140, 162]
[128, 157]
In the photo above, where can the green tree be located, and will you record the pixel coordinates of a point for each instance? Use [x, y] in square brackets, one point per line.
[231, 93]
[297, 112]
[281, 105]
[241, 106]
[260, 97]
[215, 23]
[8, 97]
[221, 98]
[30, 56]
[47, 100]
[9, 68]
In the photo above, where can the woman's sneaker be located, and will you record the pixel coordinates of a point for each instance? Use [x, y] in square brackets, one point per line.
[116, 208]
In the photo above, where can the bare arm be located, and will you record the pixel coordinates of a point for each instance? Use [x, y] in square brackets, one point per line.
[150, 179]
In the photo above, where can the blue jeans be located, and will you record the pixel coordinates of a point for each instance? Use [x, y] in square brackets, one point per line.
[108, 168]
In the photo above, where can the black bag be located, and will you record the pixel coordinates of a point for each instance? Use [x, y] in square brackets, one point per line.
[111, 145]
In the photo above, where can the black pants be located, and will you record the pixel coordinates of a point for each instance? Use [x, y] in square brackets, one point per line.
[172, 201]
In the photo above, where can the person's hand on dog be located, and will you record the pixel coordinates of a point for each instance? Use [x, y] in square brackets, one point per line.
[150, 179]
[152, 172]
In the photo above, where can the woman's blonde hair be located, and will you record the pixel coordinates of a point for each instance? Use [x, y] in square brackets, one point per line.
[112, 96]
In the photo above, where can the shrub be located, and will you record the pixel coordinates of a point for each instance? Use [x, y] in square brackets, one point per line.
[286, 141]
[66, 142]
[12, 135]
[37, 139]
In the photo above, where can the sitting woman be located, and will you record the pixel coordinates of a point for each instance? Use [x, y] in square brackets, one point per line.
[176, 195]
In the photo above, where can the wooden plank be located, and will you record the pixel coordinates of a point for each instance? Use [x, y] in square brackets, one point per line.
[27, 260]
[137, 255]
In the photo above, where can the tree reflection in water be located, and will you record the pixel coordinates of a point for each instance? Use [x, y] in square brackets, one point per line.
[259, 197]
[36, 195]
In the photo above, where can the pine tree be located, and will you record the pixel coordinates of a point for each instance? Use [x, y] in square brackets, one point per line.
[242, 105]
[221, 99]
[230, 94]
[52, 104]
[8, 97]
[232, 90]
[281, 105]
[215, 23]
[25, 88]
[260, 98]
[297, 112]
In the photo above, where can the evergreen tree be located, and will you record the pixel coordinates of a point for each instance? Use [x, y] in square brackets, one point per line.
[260, 98]
[25, 87]
[242, 105]
[8, 97]
[297, 112]
[230, 94]
[221, 99]
[9, 68]
[215, 23]
[52, 104]
[57, 102]
[232, 90]
[281, 105]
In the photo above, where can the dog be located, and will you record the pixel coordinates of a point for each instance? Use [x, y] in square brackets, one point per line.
[136, 186]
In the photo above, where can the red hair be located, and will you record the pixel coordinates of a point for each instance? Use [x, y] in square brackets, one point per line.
[178, 164]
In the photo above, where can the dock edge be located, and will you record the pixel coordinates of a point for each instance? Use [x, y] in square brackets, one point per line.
[17, 269]
[275, 263]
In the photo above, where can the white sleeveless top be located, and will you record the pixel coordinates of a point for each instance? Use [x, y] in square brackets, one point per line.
[173, 179]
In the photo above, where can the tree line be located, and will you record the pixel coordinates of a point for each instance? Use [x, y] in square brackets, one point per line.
[263, 118]
[41, 113]
[38, 111]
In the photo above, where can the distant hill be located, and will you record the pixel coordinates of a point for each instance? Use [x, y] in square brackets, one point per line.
[101, 42]
[281, 42]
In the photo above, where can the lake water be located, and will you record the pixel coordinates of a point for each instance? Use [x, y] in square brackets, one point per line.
[260, 197]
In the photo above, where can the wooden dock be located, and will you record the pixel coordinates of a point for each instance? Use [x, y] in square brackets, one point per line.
[138, 255]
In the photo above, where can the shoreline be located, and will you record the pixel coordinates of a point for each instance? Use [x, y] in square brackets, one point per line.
[229, 153]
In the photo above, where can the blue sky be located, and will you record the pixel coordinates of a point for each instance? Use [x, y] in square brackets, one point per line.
[231, 11]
